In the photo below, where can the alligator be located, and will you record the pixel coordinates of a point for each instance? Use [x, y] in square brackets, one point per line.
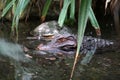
[62, 41]
[68, 44]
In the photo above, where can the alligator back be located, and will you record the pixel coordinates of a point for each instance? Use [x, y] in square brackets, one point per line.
[90, 43]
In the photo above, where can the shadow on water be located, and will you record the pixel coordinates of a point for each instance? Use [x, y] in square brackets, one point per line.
[15, 65]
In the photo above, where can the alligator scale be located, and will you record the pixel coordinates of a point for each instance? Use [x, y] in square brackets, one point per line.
[53, 39]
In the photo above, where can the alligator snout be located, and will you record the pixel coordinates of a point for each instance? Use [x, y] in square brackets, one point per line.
[61, 43]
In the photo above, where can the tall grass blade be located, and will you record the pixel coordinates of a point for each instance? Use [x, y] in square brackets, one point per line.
[63, 12]
[93, 19]
[72, 10]
[82, 21]
[94, 22]
[19, 8]
[45, 9]
[7, 8]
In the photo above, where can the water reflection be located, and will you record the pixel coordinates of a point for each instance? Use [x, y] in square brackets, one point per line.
[15, 54]
[26, 68]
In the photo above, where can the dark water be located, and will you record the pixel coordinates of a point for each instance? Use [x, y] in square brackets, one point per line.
[104, 66]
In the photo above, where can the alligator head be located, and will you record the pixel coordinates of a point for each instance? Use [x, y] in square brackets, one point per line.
[60, 44]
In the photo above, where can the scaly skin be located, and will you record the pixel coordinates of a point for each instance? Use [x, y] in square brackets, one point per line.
[68, 44]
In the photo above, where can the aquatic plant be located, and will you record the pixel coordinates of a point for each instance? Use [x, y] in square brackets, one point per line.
[85, 12]
[17, 7]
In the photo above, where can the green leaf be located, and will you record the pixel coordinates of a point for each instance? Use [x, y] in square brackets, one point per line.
[46, 7]
[94, 22]
[7, 8]
[63, 12]
[93, 19]
[72, 10]
[82, 21]
[19, 8]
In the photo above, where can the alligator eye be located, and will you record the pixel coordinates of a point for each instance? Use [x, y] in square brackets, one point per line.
[61, 40]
